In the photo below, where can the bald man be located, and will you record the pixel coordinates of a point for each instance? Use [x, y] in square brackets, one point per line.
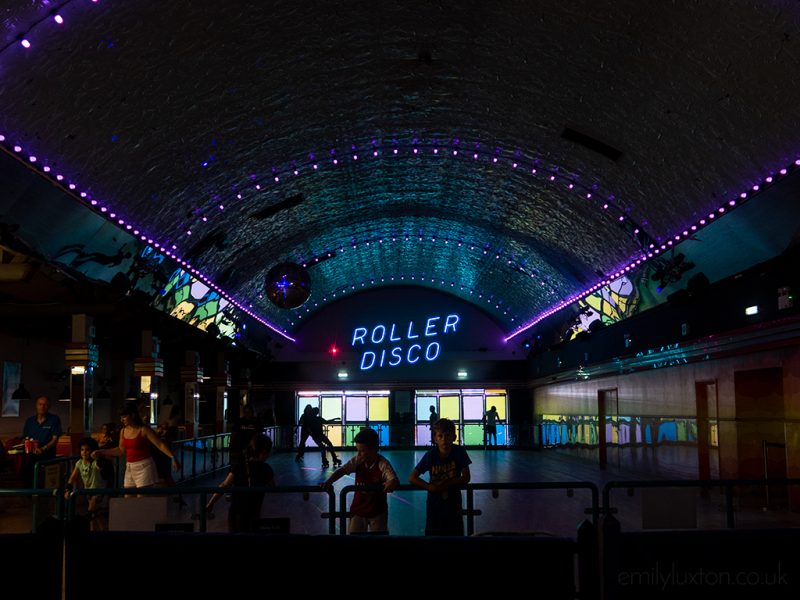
[45, 428]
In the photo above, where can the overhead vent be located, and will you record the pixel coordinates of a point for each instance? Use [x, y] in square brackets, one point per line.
[225, 277]
[289, 202]
[587, 141]
[215, 239]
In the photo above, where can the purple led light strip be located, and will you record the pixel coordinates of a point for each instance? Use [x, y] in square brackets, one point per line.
[105, 210]
[654, 250]
[536, 166]
[552, 175]
[507, 259]
[417, 149]
[402, 277]
[54, 15]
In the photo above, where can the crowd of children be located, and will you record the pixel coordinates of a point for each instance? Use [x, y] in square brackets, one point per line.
[446, 465]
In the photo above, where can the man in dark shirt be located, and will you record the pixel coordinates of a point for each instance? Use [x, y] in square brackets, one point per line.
[44, 429]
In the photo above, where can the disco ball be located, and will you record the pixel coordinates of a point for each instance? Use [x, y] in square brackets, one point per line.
[288, 285]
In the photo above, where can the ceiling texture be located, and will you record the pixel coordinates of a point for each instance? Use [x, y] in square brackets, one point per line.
[512, 153]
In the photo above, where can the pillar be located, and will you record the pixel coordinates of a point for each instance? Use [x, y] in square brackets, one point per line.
[81, 357]
[191, 377]
[239, 394]
[149, 369]
[222, 383]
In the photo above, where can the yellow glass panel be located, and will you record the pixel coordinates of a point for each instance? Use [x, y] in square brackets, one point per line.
[335, 434]
[449, 408]
[496, 393]
[500, 403]
[378, 408]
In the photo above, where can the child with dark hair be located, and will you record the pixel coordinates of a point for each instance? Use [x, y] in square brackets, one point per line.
[369, 509]
[89, 473]
[448, 465]
[253, 471]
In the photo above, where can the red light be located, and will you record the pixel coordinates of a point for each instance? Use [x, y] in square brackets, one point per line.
[333, 350]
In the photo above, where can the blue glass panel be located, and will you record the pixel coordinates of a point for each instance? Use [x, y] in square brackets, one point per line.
[424, 404]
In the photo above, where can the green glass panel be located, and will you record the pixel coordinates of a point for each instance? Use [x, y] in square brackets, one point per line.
[473, 435]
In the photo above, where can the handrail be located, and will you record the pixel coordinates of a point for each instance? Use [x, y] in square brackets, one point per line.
[59, 502]
[49, 461]
[342, 513]
[594, 510]
[728, 484]
[218, 445]
[598, 507]
[471, 512]
[204, 491]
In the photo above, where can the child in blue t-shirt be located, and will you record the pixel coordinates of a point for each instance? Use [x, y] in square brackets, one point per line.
[448, 465]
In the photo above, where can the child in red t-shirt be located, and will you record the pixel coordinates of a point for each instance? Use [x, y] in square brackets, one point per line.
[369, 509]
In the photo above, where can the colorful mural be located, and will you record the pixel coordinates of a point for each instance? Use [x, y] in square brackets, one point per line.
[582, 430]
[190, 300]
[612, 303]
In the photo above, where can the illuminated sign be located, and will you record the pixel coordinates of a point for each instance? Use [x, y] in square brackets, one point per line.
[414, 339]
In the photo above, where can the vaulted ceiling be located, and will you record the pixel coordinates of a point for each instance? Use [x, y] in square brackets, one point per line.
[511, 153]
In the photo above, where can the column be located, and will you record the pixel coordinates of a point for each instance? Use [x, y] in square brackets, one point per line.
[81, 356]
[149, 369]
[191, 377]
[222, 382]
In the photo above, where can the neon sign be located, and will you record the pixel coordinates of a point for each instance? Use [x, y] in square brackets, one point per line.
[413, 345]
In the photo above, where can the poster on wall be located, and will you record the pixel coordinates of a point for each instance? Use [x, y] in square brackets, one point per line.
[12, 373]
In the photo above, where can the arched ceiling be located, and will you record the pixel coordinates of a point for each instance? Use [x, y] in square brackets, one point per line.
[512, 153]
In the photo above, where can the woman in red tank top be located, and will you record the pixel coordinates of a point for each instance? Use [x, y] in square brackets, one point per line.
[134, 444]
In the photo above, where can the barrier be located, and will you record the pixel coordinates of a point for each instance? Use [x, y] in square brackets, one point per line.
[729, 562]
[203, 493]
[728, 486]
[470, 512]
[602, 560]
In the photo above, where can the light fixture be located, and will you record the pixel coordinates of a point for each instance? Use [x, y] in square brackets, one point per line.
[21, 393]
[751, 310]
[342, 374]
[65, 394]
[462, 374]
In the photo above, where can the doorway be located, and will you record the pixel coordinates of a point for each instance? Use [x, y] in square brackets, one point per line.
[608, 426]
[707, 407]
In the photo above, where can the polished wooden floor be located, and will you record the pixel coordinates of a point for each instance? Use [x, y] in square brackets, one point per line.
[544, 512]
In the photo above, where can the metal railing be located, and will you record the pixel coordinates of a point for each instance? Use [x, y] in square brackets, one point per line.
[204, 492]
[206, 454]
[470, 512]
[601, 501]
[728, 486]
